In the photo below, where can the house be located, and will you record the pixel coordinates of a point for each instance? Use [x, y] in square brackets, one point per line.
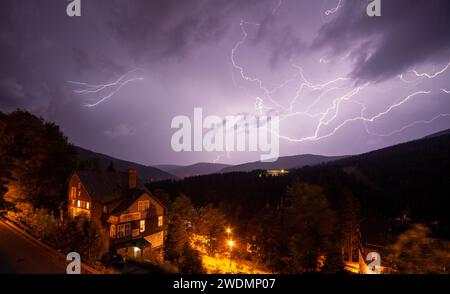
[132, 217]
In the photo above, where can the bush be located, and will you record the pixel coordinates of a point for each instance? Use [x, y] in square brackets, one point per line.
[86, 237]
[191, 262]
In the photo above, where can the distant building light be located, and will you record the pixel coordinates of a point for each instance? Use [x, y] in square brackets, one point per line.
[277, 172]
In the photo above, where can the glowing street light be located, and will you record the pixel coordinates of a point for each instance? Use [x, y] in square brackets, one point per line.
[231, 245]
[228, 231]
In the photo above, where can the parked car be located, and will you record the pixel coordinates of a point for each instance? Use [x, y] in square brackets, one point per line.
[113, 259]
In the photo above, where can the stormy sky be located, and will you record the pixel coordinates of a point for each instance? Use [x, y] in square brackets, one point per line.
[341, 82]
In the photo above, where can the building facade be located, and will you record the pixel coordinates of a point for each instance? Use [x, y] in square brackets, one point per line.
[131, 216]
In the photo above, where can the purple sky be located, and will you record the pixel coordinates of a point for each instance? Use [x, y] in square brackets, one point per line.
[227, 56]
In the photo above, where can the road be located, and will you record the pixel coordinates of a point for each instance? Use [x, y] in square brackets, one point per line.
[18, 255]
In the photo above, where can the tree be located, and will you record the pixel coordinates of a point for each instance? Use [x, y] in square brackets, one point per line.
[182, 215]
[415, 252]
[211, 224]
[191, 262]
[176, 240]
[3, 160]
[184, 209]
[312, 223]
[348, 219]
[84, 236]
[39, 160]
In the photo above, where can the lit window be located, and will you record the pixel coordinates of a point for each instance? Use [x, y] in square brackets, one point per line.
[160, 221]
[142, 226]
[112, 231]
[79, 203]
[88, 205]
[120, 231]
[143, 205]
[105, 209]
[127, 229]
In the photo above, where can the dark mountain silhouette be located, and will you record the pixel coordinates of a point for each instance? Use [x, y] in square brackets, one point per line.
[410, 179]
[145, 173]
[287, 162]
[168, 167]
[197, 169]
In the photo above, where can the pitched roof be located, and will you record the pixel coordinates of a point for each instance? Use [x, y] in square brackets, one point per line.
[130, 198]
[106, 186]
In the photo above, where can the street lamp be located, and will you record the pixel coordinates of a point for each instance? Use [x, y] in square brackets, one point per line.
[231, 245]
[228, 230]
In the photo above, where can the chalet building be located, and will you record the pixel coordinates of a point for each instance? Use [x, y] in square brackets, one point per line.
[132, 217]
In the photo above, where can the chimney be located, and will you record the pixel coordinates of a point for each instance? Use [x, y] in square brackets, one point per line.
[132, 178]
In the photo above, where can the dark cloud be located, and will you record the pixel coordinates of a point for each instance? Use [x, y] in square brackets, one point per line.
[183, 48]
[408, 33]
[170, 28]
[283, 41]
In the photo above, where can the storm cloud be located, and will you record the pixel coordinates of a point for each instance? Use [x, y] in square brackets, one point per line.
[183, 53]
[407, 33]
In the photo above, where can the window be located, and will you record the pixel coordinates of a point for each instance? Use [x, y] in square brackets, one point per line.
[160, 221]
[142, 226]
[123, 230]
[127, 229]
[120, 231]
[112, 231]
[144, 205]
[79, 203]
[88, 205]
[105, 208]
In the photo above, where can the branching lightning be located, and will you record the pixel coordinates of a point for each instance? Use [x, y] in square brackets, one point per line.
[431, 76]
[328, 115]
[114, 86]
[335, 9]
[420, 76]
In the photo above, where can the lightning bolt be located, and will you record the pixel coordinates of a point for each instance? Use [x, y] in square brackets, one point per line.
[330, 114]
[424, 75]
[317, 137]
[431, 76]
[412, 125]
[335, 9]
[115, 86]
